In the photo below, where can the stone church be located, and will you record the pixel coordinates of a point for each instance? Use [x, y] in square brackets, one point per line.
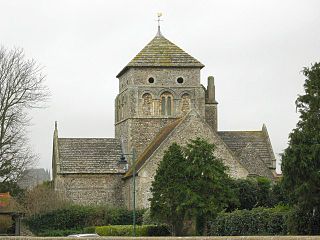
[160, 101]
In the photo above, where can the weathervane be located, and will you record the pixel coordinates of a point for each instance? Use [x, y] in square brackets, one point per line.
[159, 16]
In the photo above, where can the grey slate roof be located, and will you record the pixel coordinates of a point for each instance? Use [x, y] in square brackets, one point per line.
[160, 52]
[89, 155]
[252, 148]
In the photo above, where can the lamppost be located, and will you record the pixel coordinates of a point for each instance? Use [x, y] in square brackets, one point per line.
[123, 161]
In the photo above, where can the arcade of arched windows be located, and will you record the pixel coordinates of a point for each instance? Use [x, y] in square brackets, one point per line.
[165, 105]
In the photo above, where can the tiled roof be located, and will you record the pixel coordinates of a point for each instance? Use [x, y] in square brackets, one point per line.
[160, 52]
[238, 141]
[89, 155]
[162, 135]
[8, 205]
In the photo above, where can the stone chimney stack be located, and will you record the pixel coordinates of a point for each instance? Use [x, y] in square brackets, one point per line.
[211, 106]
[211, 90]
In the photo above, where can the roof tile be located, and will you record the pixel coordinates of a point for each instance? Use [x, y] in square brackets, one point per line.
[89, 155]
[160, 52]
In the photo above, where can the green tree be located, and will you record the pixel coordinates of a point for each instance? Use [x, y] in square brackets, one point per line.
[169, 189]
[301, 160]
[246, 191]
[208, 184]
[190, 184]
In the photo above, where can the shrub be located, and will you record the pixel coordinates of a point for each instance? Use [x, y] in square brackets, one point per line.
[79, 217]
[5, 224]
[43, 199]
[147, 219]
[58, 233]
[127, 230]
[89, 230]
[256, 192]
[303, 221]
[258, 221]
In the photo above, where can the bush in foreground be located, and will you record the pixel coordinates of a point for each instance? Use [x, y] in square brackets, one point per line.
[78, 217]
[127, 230]
[258, 221]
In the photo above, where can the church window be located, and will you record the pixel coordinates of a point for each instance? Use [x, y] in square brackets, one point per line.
[151, 80]
[169, 105]
[166, 104]
[180, 80]
[163, 106]
[147, 104]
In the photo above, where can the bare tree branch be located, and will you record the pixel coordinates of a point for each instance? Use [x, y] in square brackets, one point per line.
[21, 88]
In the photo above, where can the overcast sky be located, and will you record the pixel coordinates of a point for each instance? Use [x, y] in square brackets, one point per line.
[255, 50]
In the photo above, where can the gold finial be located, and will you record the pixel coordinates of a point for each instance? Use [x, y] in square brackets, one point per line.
[159, 20]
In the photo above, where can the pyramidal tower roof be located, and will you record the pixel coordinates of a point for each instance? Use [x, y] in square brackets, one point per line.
[160, 52]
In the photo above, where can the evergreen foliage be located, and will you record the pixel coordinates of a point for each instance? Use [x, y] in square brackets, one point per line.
[190, 183]
[169, 189]
[258, 221]
[301, 160]
[257, 192]
[76, 218]
[127, 230]
[209, 190]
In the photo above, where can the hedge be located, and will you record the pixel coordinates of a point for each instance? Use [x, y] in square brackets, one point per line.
[58, 233]
[127, 230]
[78, 217]
[258, 221]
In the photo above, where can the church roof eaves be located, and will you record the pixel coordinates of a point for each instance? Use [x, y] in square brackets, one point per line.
[162, 135]
[160, 52]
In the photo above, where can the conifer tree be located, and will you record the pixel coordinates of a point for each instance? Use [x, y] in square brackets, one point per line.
[209, 186]
[301, 160]
[190, 183]
[169, 189]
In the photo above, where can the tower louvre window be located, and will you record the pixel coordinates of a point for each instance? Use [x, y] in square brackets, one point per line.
[166, 104]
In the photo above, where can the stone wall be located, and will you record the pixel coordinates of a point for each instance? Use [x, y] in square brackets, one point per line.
[163, 77]
[138, 133]
[104, 189]
[139, 106]
[212, 115]
[192, 126]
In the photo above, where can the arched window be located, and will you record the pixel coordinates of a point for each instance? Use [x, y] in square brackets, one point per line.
[147, 104]
[185, 103]
[166, 104]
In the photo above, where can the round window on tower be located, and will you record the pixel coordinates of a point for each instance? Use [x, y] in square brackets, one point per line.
[151, 80]
[180, 80]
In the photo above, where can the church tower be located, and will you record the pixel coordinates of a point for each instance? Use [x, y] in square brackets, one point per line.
[159, 85]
